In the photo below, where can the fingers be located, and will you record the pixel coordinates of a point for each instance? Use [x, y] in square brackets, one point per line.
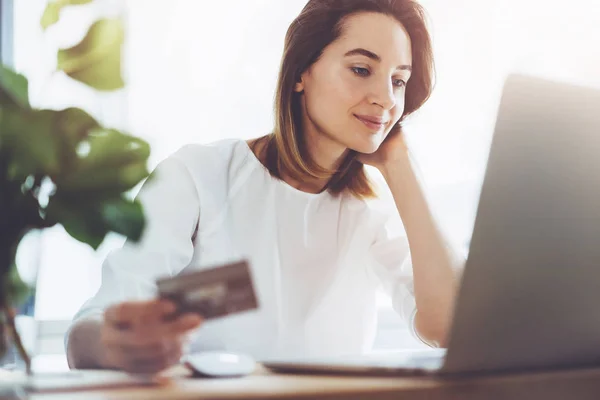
[151, 333]
[145, 347]
[150, 365]
[138, 336]
[150, 358]
[182, 324]
[158, 359]
[138, 312]
[153, 350]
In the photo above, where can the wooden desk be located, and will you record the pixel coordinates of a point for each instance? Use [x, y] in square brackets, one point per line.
[575, 385]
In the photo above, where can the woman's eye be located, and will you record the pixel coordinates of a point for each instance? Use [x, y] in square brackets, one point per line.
[399, 83]
[360, 71]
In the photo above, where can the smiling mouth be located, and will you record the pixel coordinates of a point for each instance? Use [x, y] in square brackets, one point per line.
[372, 124]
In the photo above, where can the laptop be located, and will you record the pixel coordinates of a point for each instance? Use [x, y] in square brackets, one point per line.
[530, 291]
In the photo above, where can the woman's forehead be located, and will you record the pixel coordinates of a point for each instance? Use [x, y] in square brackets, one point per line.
[378, 33]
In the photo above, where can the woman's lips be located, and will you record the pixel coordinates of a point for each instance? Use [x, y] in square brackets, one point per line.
[372, 123]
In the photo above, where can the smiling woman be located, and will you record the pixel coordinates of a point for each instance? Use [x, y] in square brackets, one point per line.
[297, 204]
[370, 53]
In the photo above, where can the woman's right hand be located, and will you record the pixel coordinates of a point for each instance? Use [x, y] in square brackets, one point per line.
[142, 337]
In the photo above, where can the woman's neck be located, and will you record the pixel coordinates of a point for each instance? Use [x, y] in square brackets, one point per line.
[326, 153]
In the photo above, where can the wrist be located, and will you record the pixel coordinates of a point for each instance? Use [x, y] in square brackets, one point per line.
[392, 168]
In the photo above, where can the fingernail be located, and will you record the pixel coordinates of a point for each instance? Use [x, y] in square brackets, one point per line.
[194, 319]
[168, 306]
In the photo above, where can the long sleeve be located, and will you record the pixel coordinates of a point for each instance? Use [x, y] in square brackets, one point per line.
[391, 262]
[171, 206]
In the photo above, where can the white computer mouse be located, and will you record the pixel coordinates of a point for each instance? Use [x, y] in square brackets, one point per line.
[219, 364]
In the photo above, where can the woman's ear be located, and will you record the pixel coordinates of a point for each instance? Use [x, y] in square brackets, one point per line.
[299, 87]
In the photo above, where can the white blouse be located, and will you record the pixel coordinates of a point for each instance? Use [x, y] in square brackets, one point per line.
[317, 260]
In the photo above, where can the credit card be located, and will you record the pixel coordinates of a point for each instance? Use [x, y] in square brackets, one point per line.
[214, 292]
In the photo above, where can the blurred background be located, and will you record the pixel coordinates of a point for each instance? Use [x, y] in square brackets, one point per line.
[199, 70]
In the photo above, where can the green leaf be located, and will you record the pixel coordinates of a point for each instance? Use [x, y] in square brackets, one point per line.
[111, 148]
[109, 163]
[52, 12]
[90, 222]
[51, 15]
[124, 217]
[83, 222]
[96, 60]
[14, 88]
[75, 124]
[28, 138]
[72, 125]
[43, 141]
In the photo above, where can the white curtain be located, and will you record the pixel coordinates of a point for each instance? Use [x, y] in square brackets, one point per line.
[202, 70]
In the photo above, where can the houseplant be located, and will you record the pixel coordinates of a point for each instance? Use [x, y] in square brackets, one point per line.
[62, 166]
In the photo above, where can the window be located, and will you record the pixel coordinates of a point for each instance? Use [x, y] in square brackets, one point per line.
[191, 65]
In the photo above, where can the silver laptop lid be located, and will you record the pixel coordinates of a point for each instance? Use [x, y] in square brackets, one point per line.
[531, 286]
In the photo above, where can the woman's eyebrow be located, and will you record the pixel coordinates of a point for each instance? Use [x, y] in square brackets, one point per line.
[372, 56]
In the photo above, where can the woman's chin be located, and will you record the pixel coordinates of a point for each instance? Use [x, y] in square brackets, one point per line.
[367, 146]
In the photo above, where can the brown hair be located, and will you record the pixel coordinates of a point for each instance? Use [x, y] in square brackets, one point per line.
[319, 24]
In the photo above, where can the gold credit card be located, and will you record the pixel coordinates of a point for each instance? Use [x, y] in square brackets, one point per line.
[212, 293]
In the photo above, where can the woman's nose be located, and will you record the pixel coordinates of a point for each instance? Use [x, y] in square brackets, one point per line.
[383, 95]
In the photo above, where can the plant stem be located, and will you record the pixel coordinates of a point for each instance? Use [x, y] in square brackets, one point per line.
[7, 254]
[9, 312]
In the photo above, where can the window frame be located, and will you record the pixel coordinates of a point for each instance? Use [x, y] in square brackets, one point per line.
[6, 31]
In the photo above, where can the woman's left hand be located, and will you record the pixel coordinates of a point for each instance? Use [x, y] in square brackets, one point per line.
[392, 150]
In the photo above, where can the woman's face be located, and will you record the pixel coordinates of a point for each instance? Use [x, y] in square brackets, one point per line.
[354, 93]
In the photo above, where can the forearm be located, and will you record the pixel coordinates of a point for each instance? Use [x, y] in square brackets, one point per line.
[84, 348]
[434, 262]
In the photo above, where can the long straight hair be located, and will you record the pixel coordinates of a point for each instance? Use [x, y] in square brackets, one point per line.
[319, 24]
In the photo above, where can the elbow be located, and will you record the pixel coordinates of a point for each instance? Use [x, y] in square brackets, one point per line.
[431, 332]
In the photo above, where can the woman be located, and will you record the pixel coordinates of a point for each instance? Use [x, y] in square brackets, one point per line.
[297, 204]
